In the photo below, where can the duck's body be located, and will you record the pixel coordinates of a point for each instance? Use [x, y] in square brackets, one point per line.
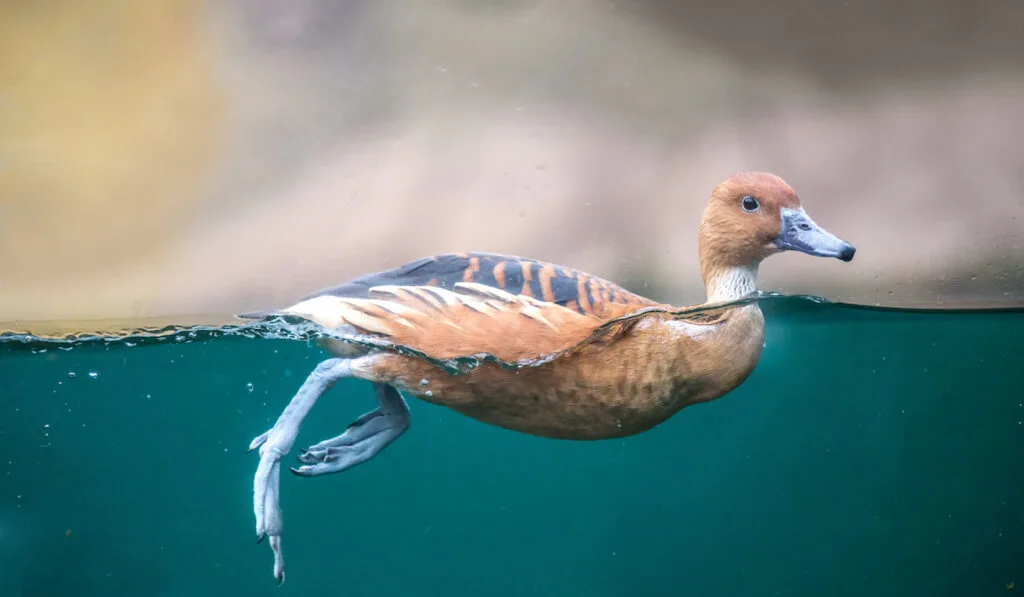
[606, 389]
[590, 360]
[624, 362]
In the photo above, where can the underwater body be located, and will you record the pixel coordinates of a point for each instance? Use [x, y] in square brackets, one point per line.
[872, 451]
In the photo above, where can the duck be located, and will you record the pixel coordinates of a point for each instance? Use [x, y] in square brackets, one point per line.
[590, 359]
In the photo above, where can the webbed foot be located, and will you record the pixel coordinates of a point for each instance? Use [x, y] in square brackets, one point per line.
[364, 439]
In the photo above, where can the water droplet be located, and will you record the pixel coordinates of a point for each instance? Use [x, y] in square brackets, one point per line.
[428, 393]
[249, 386]
[424, 382]
[93, 374]
[72, 374]
[47, 426]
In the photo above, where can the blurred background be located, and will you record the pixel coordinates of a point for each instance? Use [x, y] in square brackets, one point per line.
[184, 158]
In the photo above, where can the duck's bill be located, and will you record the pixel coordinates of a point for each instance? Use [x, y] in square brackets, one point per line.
[800, 233]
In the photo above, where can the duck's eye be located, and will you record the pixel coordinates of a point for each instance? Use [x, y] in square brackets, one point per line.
[750, 204]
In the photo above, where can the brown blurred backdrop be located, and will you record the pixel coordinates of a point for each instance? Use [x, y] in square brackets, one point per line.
[175, 158]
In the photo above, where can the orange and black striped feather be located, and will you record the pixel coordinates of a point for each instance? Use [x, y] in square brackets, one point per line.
[543, 281]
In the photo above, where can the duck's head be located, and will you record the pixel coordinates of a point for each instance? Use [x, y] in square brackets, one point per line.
[750, 216]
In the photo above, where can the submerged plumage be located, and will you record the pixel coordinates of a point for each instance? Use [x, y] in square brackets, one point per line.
[623, 363]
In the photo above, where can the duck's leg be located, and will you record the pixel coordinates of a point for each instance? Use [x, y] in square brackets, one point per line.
[364, 439]
[277, 442]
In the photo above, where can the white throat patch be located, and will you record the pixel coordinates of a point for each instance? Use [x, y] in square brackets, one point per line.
[732, 283]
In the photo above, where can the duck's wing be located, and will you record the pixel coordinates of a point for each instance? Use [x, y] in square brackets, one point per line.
[469, 319]
[470, 303]
[575, 290]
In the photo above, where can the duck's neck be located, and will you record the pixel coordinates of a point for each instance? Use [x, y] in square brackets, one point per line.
[726, 284]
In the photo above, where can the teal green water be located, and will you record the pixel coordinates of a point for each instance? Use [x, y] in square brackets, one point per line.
[870, 453]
